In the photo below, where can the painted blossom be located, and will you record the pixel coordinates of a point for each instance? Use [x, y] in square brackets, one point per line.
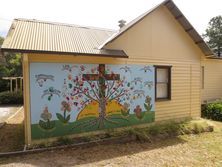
[46, 115]
[65, 106]
[126, 106]
[148, 99]
[138, 111]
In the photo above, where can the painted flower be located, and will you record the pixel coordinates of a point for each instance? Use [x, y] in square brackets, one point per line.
[126, 106]
[70, 77]
[126, 110]
[138, 109]
[65, 106]
[80, 82]
[46, 115]
[138, 112]
[148, 99]
[82, 67]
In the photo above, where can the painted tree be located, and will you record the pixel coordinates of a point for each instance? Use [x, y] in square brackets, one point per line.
[100, 87]
[213, 34]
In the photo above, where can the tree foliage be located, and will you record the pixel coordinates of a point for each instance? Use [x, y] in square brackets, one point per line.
[213, 35]
[1, 40]
[12, 67]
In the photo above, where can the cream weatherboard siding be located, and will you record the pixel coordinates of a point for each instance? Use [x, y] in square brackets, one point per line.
[212, 79]
[158, 39]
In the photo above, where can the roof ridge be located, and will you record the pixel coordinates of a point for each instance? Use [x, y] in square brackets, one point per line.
[64, 24]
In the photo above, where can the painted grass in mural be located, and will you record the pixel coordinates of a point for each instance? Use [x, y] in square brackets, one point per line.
[61, 129]
[100, 96]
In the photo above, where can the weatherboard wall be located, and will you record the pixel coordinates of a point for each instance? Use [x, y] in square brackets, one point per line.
[160, 40]
[212, 79]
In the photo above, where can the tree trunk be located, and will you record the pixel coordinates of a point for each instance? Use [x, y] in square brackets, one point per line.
[102, 108]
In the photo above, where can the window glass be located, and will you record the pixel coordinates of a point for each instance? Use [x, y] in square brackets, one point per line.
[162, 91]
[162, 75]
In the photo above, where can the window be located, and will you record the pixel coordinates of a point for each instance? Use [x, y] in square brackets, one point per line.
[163, 82]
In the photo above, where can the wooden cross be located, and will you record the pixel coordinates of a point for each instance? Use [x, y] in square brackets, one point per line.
[101, 77]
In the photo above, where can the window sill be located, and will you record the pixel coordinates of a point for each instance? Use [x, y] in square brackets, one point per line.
[163, 99]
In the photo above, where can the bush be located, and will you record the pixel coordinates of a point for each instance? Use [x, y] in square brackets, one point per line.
[212, 111]
[169, 129]
[11, 98]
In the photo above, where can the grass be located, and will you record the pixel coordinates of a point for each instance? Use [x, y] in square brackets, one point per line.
[171, 129]
[197, 150]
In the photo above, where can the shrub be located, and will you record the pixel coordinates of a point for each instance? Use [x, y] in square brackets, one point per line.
[11, 98]
[212, 111]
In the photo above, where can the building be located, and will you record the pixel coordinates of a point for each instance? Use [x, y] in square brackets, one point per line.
[84, 79]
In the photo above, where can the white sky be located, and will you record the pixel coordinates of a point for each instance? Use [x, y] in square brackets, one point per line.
[101, 13]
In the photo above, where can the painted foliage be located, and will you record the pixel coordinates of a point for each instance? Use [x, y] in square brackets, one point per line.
[74, 98]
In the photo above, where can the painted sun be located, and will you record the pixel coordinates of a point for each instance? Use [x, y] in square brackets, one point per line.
[91, 110]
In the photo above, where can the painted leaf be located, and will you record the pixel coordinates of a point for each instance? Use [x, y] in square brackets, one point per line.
[47, 125]
[60, 117]
[51, 89]
[42, 124]
[146, 107]
[67, 118]
[70, 86]
[151, 106]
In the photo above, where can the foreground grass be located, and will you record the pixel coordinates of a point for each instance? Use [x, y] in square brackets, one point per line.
[208, 146]
[202, 149]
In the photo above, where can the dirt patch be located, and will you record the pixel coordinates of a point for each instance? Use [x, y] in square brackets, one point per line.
[12, 133]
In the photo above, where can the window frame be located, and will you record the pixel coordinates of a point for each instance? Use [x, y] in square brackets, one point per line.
[168, 84]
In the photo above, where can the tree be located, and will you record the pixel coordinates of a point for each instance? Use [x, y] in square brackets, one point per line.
[1, 40]
[14, 64]
[12, 67]
[213, 34]
[100, 88]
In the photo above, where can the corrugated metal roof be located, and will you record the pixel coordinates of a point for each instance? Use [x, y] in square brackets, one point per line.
[48, 37]
[178, 16]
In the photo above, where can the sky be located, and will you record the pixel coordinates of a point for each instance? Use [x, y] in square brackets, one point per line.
[101, 13]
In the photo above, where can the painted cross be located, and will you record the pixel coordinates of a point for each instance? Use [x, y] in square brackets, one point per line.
[101, 77]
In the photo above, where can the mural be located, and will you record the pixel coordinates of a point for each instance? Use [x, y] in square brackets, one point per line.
[74, 98]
